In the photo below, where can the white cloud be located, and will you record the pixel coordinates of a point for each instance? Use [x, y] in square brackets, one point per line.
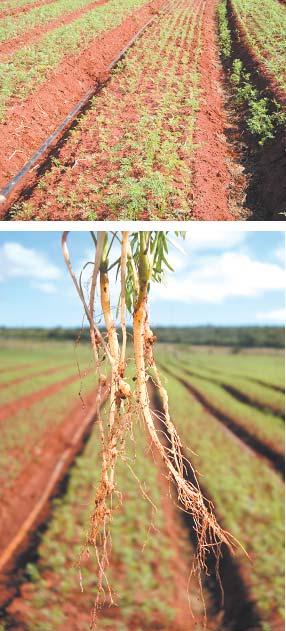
[216, 238]
[46, 288]
[182, 251]
[280, 255]
[213, 279]
[276, 315]
[17, 261]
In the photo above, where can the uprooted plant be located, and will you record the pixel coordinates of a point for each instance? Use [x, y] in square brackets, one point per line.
[138, 258]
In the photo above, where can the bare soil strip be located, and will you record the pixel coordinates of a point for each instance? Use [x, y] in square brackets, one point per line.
[40, 113]
[27, 401]
[49, 371]
[34, 34]
[238, 394]
[273, 458]
[188, 600]
[236, 610]
[37, 484]
[212, 178]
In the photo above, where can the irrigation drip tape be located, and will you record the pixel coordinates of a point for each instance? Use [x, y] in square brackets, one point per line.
[70, 118]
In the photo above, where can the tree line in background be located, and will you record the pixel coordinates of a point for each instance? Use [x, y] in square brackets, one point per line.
[236, 336]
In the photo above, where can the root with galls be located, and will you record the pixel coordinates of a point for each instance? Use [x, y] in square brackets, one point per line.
[142, 260]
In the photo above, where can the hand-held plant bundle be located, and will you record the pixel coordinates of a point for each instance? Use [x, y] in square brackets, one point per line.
[142, 259]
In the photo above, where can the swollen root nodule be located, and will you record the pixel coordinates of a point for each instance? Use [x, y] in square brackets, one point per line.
[138, 258]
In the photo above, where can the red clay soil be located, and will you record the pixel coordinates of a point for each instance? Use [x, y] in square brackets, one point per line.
[24, 9]
[188, 603]
[32, 35]
[18, 502]
[185, 588]
[30, 399]
[49, 371]
[29, 122]
[212, 178]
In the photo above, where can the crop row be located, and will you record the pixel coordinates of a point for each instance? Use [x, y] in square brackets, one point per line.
[24, 428]
[38, 381]
[247, 495]
[22, 431]
[14, 354]
[29, 66]
[261, 425]
[15, 4]
[132, 155]
[264, 24]
[142, 560]
[264, 368]
[257, 394]
[38, 16]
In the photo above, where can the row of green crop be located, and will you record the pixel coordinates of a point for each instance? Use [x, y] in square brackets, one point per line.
[37, 381]
[141, 560]
[29, 66]
[26, 371]
[16, 352]
[269, 368]
[64, 359]
[261, 425]
[258, 394]
[247, 495]
[264, 23]
[135, 146]
[12, 26]
[264, 116]
[21, 432]
[15, 4]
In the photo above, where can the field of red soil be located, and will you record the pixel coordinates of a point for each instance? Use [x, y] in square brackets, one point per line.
[28, 400]
[204, 198]
[34, 34]
[40, 475]
[39, 114]
[39, 480]
[106, 175]
[40, 539]
[212, 176]
[15, 10]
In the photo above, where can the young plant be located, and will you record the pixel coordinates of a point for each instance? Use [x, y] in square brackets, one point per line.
[142, 259]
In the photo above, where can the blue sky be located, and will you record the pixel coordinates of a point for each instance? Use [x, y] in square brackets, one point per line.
[222, 276]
